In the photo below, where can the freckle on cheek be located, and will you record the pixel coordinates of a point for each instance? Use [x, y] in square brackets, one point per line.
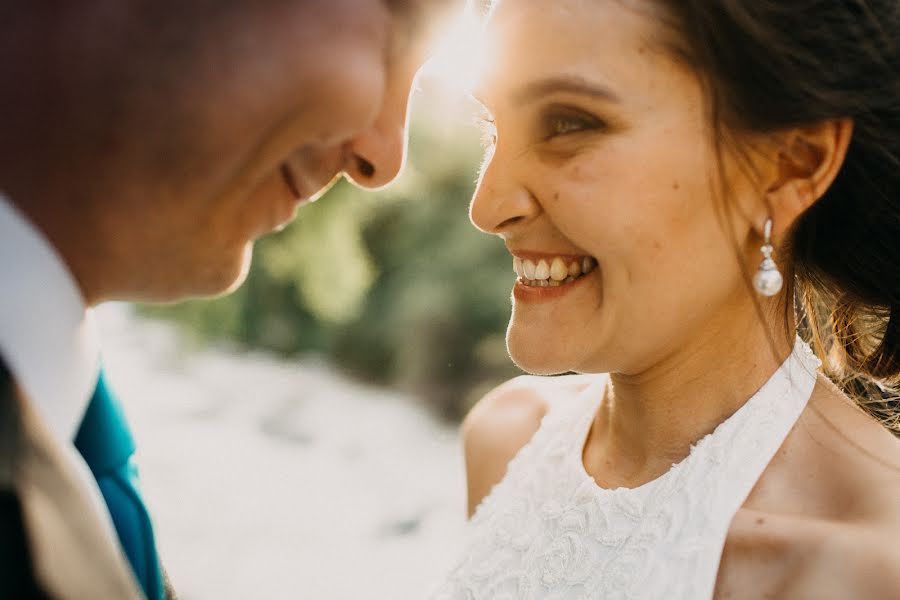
[556, 196]
[676, 186]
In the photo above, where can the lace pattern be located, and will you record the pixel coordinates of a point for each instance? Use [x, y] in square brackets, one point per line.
[547, 530]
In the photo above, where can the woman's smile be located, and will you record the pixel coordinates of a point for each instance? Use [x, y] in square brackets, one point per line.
[547, 277]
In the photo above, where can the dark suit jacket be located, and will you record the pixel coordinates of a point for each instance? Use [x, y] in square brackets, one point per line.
[52, 543]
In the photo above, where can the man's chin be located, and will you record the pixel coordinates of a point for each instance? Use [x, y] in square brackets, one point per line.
[208, 281]
[240, 273]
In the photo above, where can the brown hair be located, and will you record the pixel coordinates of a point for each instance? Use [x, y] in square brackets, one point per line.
[775, 64]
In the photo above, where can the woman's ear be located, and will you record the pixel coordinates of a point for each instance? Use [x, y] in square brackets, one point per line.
[808, 160]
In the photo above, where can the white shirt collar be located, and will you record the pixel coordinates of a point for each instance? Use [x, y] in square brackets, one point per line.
[47, 335]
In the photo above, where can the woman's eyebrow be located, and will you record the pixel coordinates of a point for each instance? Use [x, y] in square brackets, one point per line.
[565, 83]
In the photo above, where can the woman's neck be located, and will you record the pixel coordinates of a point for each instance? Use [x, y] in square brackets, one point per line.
[650, 419]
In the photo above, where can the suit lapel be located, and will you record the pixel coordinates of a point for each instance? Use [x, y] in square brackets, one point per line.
[71, 556]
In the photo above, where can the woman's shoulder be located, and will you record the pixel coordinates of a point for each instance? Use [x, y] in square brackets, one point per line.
[797, 556]
[861, 559]
[504, 420]
[826, 511]
[837, 463]
[507, 416]
[851, 460]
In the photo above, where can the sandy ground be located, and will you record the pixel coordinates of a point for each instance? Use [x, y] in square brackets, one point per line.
[271, 479]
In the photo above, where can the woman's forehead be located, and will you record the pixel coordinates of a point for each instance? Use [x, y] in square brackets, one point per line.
[585, 25]
[599, 39]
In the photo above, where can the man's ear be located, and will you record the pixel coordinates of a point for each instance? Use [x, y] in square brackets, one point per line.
[808, 161]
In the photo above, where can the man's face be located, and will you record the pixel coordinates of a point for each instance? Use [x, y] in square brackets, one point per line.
[186, 130]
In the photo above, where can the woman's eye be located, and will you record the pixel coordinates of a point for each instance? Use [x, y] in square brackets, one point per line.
[559, 125]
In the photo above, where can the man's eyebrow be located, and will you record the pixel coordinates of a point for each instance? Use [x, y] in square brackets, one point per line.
[565, 84]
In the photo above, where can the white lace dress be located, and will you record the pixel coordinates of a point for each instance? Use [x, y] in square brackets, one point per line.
[547, 530]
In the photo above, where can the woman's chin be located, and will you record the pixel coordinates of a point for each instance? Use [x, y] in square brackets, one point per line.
[535, 358]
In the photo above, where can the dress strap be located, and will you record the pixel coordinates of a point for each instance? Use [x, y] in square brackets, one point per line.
[746, 445]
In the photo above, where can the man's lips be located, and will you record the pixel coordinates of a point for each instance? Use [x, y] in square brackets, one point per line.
[307, 179]
[288, 175]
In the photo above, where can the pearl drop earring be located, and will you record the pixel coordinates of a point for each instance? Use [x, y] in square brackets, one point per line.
[768, 279]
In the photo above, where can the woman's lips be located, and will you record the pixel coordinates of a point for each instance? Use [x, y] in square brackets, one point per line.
[531, 293]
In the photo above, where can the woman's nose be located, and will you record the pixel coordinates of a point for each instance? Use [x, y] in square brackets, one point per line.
[501, 205]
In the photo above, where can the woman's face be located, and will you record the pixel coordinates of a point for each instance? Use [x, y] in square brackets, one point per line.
[603, 159]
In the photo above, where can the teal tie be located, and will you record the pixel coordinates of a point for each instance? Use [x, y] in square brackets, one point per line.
[107, 446]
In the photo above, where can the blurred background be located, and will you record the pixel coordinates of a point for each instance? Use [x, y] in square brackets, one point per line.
[305, 427]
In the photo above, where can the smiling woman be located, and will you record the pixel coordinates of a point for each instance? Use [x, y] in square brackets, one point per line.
[644, 159]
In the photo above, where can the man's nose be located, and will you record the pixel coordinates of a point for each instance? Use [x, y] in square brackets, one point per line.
[501, 205]
[376, 156]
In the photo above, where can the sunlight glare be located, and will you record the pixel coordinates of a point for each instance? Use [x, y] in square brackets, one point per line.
[458, 55]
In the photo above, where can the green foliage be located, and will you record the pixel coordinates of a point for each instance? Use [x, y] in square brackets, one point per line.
[323, 256]
[396, 287]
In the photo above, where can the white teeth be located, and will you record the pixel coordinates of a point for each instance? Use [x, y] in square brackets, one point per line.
[552, 273]
[528, 268]
[558, 270]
